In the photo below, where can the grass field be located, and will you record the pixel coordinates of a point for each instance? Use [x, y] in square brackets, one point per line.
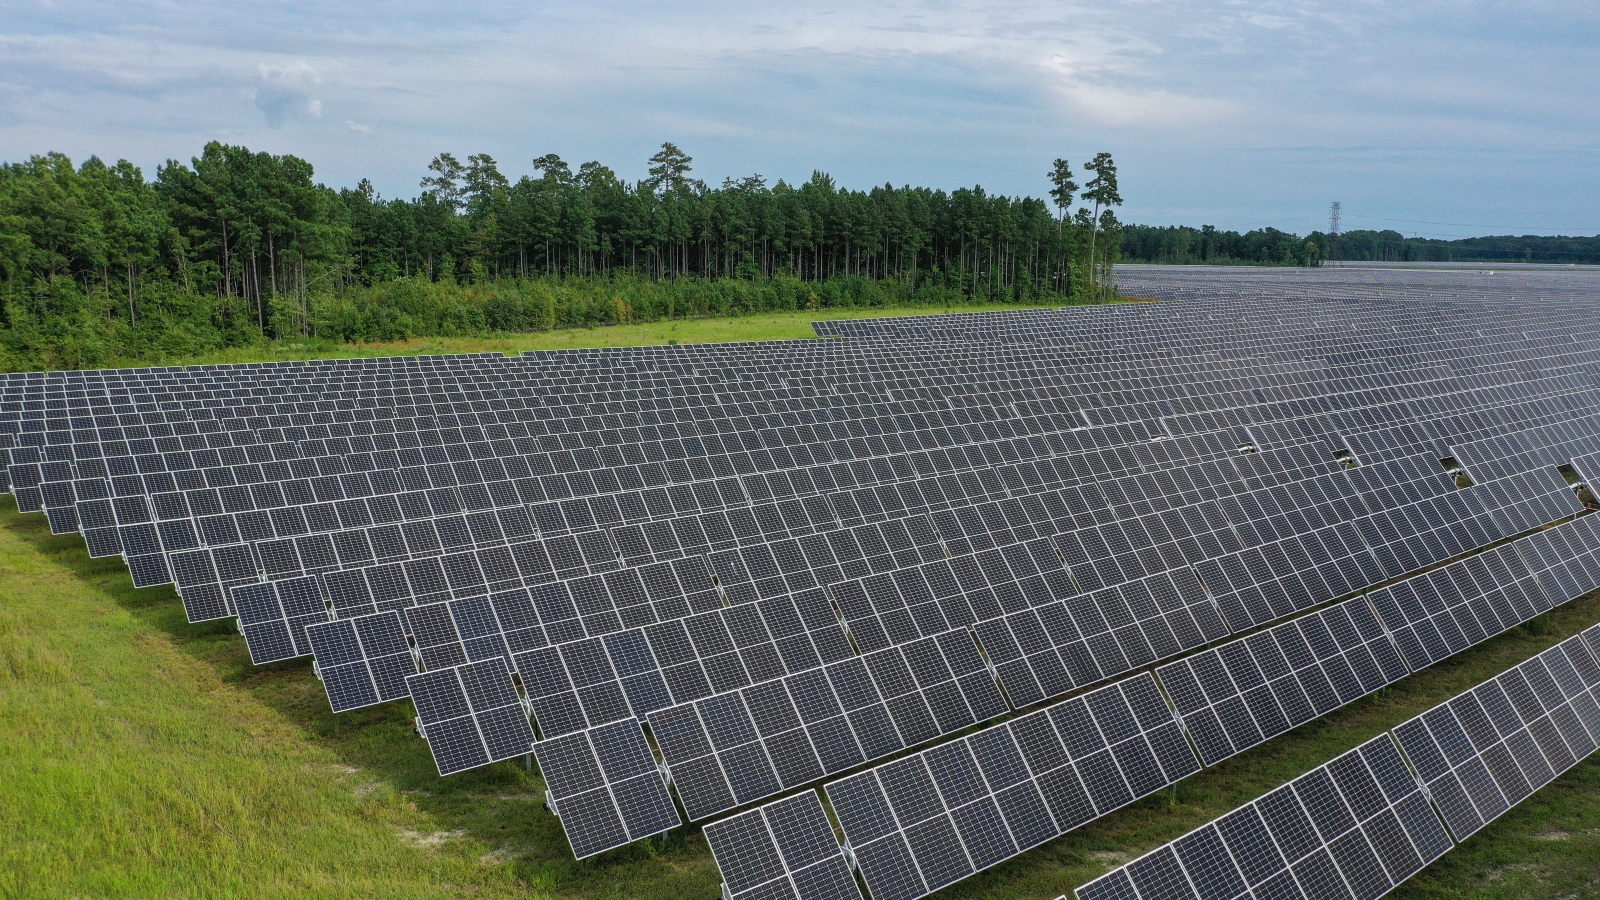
[763, 327]
[141, 756]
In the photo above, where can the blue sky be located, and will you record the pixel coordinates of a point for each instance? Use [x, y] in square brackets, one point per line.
[1441, 119]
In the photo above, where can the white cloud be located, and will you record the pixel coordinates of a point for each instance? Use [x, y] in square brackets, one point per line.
[285, 92]
[1259, 109]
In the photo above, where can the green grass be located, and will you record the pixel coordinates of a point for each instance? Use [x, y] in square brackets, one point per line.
[760, 327]
[141, 756]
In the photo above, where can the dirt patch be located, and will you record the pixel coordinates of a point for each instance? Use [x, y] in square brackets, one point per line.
[429, 840]
[501, 855]
[1500, 872]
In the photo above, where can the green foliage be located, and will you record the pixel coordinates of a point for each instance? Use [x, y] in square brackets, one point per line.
[1270, 247]
[236, 248]
[415, 307]
[1206, 245]
[1392, 246]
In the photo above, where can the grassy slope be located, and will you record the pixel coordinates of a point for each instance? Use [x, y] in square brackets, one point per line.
[141, 756]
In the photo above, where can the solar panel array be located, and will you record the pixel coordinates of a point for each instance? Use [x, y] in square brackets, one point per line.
[776, 563]
[1489, 748]
[1362, 824]
[927, 820]
[1352, 828]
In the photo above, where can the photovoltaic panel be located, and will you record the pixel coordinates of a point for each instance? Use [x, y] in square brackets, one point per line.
[362, 661]
[738, 747]
[924, 821]
[606, 787]
[1247, 691]
[786, 848]
[274, 616]
[1485, 750]
[1354, 828]
[471, 715]
[1444, 611]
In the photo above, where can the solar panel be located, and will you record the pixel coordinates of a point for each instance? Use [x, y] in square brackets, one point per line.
[741, 746]
[274, 616]
[786, 848]
[1355, 827]
[1487, 749]
[1244, 692]
[927, 820]
[470, 715]
[1444, 611]
[362, 661]
[606, 787]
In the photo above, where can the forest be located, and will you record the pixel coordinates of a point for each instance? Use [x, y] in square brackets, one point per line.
[100, 264]
[1183, 245]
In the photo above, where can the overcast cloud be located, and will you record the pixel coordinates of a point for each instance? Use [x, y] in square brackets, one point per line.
[1442, 119]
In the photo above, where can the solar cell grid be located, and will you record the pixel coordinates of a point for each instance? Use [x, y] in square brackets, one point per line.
[737, 747]
[1487, 749]
[1249, 690]
[470, 714]
[1444, 611]
[362, 661]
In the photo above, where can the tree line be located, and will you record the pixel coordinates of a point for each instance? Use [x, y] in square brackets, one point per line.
[236, 246]
[1182, 244]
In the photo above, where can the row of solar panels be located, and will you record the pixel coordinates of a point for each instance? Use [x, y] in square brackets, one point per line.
[1178, 383]
[245, 496]
[1362, 824]
[138, 511]
[308, 554]
[181, 457]
[921, 822]
[290, 598]
[506, 604]
[1279, 325]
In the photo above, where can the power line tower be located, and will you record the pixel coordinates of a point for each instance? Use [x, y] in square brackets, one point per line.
[1333, 227]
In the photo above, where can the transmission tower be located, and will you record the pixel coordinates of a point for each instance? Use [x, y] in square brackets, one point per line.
[1333, 227]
